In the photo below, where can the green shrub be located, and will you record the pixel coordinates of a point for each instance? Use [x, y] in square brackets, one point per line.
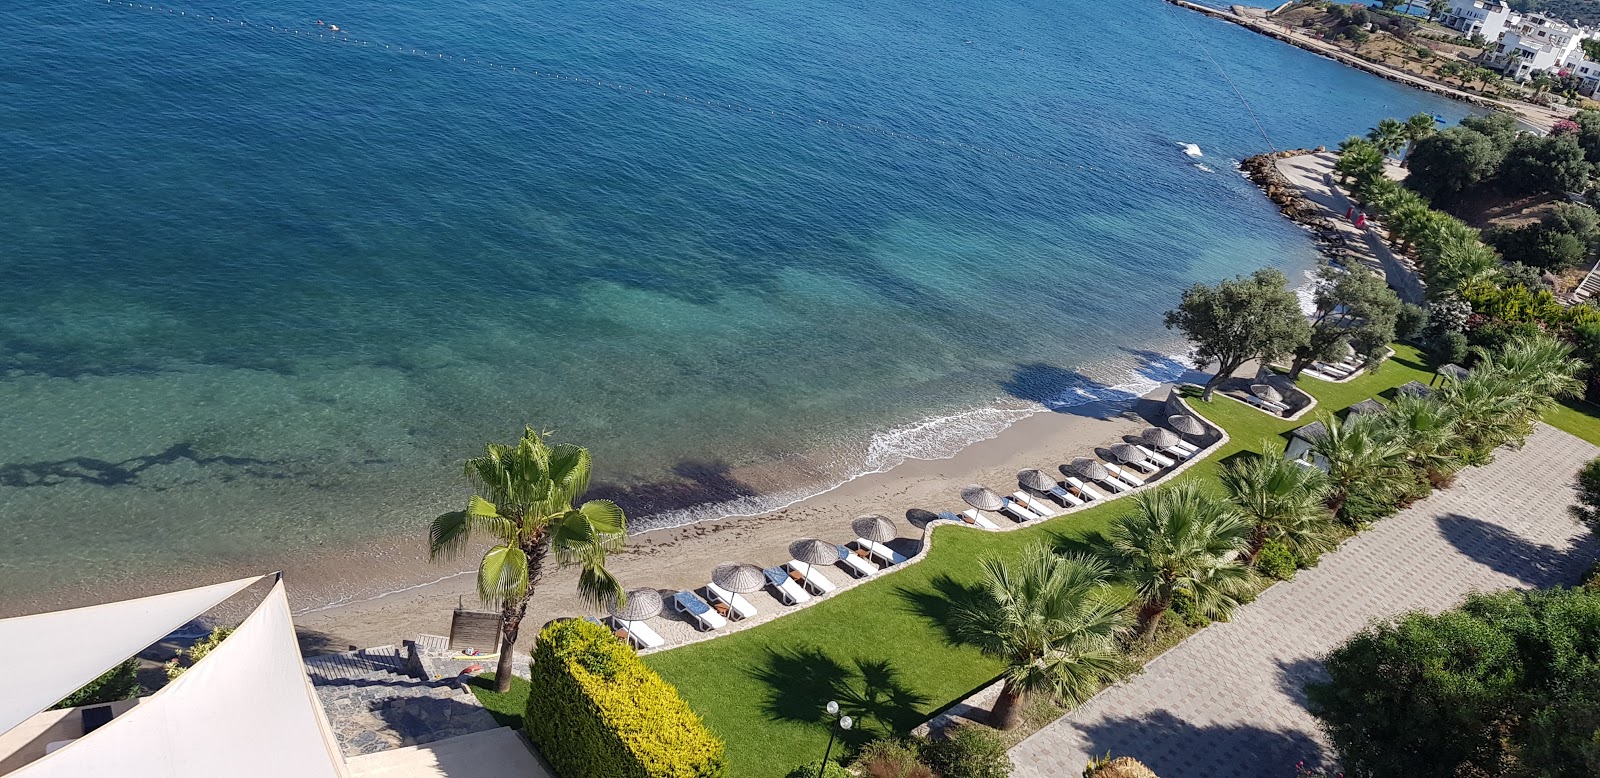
[809, 770]
[1449, 347]
[175, 667]
[1184, 608]
[888, 758]
[968, 752]
[1588, 508]
[596, 710]
[118, 683]
[1410, 322]
[1276, 561]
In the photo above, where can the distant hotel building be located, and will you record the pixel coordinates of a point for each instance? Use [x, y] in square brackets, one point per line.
[1478, 18]
[1525, 44]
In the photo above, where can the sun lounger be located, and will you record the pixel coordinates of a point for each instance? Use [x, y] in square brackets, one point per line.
[690, 603]
[818, 582]
[790, 592]
[1186, 447]
[1065, 497]
[1086, 490]
[640, 633]
[1174, 451]
[979, 519]
[1156, 458]
[1124, 476]
[1143, 465]
[887, 555]
[853, 562]
[1017, 510]
[1033, 504]
[738, 606]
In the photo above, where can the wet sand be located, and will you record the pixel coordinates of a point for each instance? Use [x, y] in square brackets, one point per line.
[682, 557]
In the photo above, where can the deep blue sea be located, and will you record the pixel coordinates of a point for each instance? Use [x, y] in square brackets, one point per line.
[263, 285]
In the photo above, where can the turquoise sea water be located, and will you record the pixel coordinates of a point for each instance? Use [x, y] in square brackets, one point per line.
[263, 285]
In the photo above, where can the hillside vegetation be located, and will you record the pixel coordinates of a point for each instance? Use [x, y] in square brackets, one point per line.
[1585, 11]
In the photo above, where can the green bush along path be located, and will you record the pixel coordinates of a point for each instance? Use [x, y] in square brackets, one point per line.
[883, 650]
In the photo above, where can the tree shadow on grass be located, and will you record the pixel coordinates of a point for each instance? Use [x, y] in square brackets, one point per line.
[937, 605]
[801, 682]
[1508, 553]
[1090, 544]
[1171, 746]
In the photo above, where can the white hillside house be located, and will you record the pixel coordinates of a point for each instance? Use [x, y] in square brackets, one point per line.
[1487, 20]
[1538, 43]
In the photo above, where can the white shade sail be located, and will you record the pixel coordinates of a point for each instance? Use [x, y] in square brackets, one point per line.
[245, 710]
[51, 655]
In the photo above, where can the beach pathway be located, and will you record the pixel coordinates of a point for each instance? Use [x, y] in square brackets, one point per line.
[1228, 701]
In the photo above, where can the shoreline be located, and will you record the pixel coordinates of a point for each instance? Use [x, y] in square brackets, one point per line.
[682, 557]
[1537, 116]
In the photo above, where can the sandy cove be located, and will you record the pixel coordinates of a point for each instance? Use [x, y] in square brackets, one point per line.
[682, 558]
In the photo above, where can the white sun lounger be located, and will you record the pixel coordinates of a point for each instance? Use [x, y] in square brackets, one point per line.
[857, 566]
[1065, 497]
[1186, 447]
[738, 606]
[818, 582]
[1124, 476]
[690, 603]
[1144, 466]
[1034, 504]
[1174, 451]
[1156, 458]
[979, 519]
[888, 555]
[640, 633]
[1017, 510]
[788, 591]
[1088, 491]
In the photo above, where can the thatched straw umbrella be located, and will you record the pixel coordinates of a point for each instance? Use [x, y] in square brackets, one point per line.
[1185, 425]
[1126, 454]
[1034, 478]
[810, 551]
[638, 605]
[1089, 468]
[982, 497]
[1266, 392]
[874, 528]
[1156, 437]
[738, 577]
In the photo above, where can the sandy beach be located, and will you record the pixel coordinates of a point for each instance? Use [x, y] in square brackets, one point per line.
[682, 558]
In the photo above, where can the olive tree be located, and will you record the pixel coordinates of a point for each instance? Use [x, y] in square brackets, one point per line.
[1240, 319]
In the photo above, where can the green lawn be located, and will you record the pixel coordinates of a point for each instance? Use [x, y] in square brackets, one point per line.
[881, 648]
[1577, 417]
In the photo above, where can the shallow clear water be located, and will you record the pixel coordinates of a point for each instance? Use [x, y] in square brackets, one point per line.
[265, 286]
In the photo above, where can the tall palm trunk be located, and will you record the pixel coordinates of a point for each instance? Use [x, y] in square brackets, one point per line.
[1258, 542]
[512, 612]
[1007, 713]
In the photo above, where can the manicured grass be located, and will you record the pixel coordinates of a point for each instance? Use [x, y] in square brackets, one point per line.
[1577, 417]
[882, 647]
[506, 708]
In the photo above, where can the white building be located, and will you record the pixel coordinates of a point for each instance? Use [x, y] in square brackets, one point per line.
[1487, 20]
[1538, 43]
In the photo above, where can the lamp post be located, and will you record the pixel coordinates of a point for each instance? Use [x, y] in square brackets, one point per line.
[845, 722]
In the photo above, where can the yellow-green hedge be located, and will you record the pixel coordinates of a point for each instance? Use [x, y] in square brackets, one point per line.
[596, 711]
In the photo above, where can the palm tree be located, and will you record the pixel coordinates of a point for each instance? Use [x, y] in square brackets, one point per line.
[1488, 413]
[1426, 429]
[1361, 457]
[1360, 159]
[523, 503]
[1540, 367]
[1417, 127]
[1181, 541]
[1052, 619]
[1284, 502]
[1389, 136]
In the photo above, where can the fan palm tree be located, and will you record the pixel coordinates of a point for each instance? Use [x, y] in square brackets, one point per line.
[524, 504]
[1361, 457]
[1389, 136]
[1284, 502]
[1540, 367]
[1052, 619]
[1417, 127]
[1488, 413]
[1426, 428]
[1180, 540]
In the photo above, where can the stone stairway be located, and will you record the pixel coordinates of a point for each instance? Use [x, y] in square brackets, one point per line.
[1589, 288]
[374, 702]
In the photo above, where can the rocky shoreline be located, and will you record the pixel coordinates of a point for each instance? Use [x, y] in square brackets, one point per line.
[1262, 170]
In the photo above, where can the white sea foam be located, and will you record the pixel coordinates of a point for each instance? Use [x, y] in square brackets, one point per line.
[942, 436]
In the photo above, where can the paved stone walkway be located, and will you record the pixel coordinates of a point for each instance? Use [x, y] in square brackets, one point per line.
[1228, 701]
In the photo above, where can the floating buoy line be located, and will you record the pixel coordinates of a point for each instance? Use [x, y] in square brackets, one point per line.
[332, 34]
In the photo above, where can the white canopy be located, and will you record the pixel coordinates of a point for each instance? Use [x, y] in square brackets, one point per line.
[245, 710]
[51, 655]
